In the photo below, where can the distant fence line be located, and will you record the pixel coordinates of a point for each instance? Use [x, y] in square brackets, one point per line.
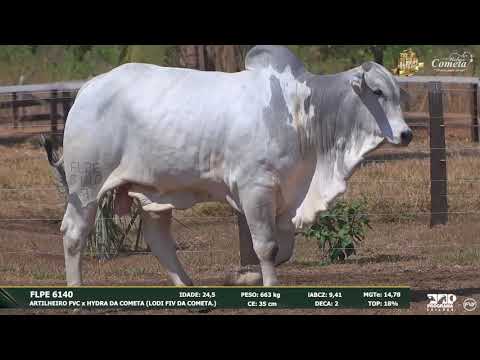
[51, 94]
[64, 93]
[423, 120]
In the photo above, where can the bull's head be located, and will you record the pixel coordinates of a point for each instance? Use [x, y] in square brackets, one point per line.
[351, 121]
[379, 111]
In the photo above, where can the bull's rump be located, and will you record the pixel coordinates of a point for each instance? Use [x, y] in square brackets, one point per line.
[171, 129]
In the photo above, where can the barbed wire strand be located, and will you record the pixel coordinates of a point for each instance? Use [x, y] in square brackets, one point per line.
[376, 152]
[128, 252]
[24, 129]
[60, 125]
[193, 218]
[362, 195]
[359, 181]
[104, 253]
[190, 218]
[411, 88]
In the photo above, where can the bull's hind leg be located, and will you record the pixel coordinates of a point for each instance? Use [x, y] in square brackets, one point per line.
[156, 232]
[76, 226]
[285, 235]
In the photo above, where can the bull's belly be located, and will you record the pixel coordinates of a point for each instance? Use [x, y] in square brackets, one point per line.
[181, 198]
[158, 196]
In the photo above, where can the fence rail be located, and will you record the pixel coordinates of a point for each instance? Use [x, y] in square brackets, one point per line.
[69, 86]
[35, 95]
[424, 120]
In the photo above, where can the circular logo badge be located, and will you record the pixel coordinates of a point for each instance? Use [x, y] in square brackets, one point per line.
[469, 304]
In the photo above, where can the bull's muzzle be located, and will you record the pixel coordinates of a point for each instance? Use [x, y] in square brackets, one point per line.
[406, 137]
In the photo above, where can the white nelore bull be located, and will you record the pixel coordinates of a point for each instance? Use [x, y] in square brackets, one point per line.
[274, 141]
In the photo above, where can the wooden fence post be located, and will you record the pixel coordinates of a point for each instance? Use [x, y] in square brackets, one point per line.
[201, 57]
[53, 110]
[67, 104]
[247, 254]
[407, 98]
[15, 109]
[438, 159]
[475, 128]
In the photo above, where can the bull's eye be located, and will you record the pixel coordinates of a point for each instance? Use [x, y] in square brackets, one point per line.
[378, 92]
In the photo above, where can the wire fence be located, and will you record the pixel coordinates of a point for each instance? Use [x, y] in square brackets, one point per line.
[200, 218]
[192, 220]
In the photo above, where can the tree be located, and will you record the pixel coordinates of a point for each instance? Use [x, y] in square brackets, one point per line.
[80, 50]
[227, 58]
[192, 56]
[123, 57]
[377, 51]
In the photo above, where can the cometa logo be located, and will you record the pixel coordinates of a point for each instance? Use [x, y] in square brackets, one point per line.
[456, 62]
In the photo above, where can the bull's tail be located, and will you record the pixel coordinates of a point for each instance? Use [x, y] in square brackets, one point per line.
[56, 161]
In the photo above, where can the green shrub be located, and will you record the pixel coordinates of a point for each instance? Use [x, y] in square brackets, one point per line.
[338, 229]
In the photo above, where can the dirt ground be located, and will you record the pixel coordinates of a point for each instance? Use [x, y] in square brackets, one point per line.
[427, 260]
[400, 250]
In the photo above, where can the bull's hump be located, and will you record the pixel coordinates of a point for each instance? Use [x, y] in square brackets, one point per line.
[277, 57]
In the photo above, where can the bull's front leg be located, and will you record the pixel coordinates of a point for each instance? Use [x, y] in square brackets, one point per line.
[259, 209]
[285, 237]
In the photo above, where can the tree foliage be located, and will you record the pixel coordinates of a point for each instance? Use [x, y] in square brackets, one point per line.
[45, 63]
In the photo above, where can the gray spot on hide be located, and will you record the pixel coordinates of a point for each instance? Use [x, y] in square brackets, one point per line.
[276, 111]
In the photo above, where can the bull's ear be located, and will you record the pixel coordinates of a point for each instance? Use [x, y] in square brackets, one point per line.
[358, 82]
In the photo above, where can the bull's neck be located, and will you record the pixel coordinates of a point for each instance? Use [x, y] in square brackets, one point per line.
[321, 128]
[332, 130]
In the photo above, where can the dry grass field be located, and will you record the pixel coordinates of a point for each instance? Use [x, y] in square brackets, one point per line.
[401, 249]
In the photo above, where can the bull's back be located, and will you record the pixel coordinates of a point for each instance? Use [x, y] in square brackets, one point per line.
[159, 98]
[147, 124]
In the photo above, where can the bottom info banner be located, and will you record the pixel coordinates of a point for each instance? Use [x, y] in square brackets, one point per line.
[205, 297]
